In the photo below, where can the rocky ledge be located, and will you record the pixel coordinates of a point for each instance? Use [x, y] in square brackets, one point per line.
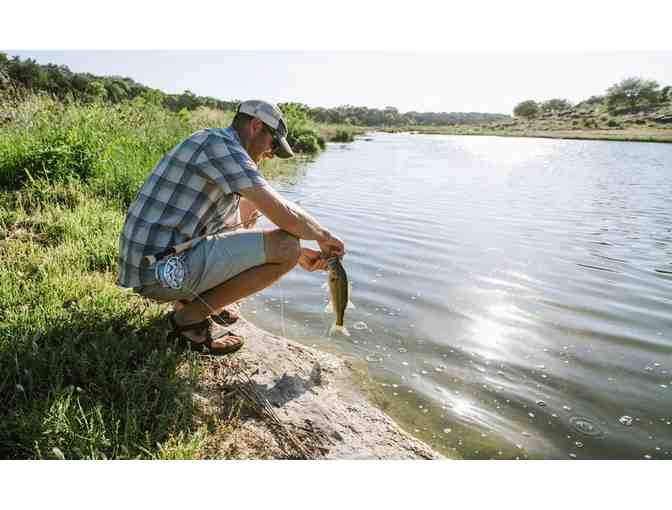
[278, 399]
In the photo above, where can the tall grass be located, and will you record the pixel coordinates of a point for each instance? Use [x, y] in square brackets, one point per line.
[110, 148]
[85, 368]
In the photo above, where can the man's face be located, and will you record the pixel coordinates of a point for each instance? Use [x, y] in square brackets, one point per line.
[261, 142]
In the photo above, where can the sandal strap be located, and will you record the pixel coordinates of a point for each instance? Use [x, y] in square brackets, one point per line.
[204, 324]
[225, 317]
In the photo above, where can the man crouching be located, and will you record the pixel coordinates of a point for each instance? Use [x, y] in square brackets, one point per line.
[177, 245]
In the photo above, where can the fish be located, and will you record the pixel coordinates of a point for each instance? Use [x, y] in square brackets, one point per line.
[339, 289]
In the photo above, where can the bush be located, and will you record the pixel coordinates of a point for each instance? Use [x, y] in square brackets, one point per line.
[526, 109]
[66, 155]
[303, 135]
[306, 143]
[342, 136]
[555, 105]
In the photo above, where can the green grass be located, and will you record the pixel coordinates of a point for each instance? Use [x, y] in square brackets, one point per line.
[341, 133]
[86, 370]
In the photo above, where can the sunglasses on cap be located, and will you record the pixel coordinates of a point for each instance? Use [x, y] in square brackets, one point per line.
[275, 145]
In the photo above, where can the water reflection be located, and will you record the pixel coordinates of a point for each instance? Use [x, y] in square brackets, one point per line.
[514, 288]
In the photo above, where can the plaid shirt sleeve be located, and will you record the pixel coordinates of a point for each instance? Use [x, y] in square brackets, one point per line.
[225, 161]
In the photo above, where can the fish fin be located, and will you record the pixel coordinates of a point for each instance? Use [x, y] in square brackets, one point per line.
[338, 329]
[325, 285]
[350, 303]
[329, 308]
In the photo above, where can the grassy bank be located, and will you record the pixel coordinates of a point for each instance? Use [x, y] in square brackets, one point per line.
[589, 120]
[86, 370]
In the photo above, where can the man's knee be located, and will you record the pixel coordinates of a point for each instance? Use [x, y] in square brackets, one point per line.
[281, 247]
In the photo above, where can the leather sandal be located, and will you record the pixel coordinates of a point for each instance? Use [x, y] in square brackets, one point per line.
[227, 342]
[226, 317]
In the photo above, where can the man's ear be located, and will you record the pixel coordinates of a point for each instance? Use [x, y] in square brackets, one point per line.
[255, 125]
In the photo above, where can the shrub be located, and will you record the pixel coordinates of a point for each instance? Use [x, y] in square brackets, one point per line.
[526, 109]
[66, 155]
[342, 136]
[303, 135]
[555, 105]
[307, 143]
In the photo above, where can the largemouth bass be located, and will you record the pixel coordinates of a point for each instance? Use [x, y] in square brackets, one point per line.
[339, 289]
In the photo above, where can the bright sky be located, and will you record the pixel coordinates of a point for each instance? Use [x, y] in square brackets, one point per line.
[426, 56]
[422, 82]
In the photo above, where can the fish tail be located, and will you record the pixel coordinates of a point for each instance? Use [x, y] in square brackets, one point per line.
[338, 329]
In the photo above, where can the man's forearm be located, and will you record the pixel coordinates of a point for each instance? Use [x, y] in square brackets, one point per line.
[303, 225]
[286, 214]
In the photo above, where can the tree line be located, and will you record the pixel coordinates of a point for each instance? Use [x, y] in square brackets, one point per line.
[390, 116]
[61, 82]
[625, 96]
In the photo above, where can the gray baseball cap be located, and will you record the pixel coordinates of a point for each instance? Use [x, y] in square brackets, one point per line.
[270, 115]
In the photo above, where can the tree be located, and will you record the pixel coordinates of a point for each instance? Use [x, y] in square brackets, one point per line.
[97, 89]
[555, 105]
[29, 73]
[666, 93]
[526, 109]
[632, 92]
[115, 91]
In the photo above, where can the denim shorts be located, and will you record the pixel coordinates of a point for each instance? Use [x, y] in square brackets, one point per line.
[212, 261]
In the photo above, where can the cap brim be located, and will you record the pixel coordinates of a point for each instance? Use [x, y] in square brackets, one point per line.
[284, 150]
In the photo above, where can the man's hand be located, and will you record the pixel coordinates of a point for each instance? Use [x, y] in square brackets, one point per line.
[312, 260]
[332, 246]
[248, 213]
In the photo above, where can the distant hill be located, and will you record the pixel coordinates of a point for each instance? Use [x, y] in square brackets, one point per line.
[634, 102]
[595, 115]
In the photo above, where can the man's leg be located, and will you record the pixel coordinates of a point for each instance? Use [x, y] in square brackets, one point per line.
[282, 253]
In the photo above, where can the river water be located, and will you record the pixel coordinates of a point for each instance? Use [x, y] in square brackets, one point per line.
[513, 295]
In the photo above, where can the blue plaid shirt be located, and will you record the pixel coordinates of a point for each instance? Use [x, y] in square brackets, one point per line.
[192, 191]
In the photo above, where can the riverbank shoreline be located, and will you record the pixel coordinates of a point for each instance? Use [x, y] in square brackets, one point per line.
[657, 136]
[291, 401]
